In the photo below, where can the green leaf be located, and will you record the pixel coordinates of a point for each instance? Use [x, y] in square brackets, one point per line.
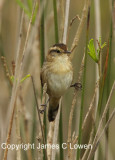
[95, 54]
[29, 10]
[98, 53]
[100, 41]
[23, 7]
[12, 78]
[34, 15]
[103, 45]
[92, 52]
[30, 5]
[28, 75]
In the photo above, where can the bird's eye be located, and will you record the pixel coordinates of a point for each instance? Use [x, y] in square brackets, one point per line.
[58, 51]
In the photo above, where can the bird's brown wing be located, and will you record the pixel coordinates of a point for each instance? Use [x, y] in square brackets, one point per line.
[43, 74]
[41, 78]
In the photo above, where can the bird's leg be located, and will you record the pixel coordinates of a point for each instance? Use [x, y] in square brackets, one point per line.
[44, 105]
[77, 86]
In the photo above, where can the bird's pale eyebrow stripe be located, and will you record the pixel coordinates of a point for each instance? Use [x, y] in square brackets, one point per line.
[54, 50]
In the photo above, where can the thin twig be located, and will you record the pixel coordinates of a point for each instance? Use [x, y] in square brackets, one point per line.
[104, 129]
[91, 107]
[19, 47]
[90, 142]
[101, 122]
[38, 110]
[98, 140]
[27, 38]
[80, 27]
[71, 23]
[74, 18]
[40, 120]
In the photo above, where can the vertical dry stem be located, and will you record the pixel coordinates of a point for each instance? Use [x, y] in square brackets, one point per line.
[53, 133]
[13, 100]
[101, 123]
[90, 111]
[72, 108]
[66, 21]
[9, 132]
[18, 130]
[61, 6]
[17, 82]
[50, 139]
[104, 129]
[40, 120]
[56, 129]
[98, 140]
[90, 142]
[91, 108]
[97, 35]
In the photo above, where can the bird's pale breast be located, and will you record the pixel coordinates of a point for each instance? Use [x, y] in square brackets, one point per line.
[59, 83]
[60, 77]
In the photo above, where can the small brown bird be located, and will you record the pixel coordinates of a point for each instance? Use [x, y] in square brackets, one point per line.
[57, 73]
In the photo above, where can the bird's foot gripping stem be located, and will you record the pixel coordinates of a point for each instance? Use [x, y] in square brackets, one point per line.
[77, 86]
[45, 106]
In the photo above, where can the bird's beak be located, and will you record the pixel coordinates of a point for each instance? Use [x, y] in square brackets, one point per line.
[68, 52]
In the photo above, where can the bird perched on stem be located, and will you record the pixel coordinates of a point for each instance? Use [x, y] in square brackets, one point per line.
[57, 73]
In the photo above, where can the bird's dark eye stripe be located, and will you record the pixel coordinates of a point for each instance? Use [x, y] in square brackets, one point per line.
[55, 50]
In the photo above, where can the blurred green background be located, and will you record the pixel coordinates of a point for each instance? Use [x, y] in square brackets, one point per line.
[9, 32]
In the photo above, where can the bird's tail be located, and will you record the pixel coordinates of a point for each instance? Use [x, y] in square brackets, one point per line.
[53, 108]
